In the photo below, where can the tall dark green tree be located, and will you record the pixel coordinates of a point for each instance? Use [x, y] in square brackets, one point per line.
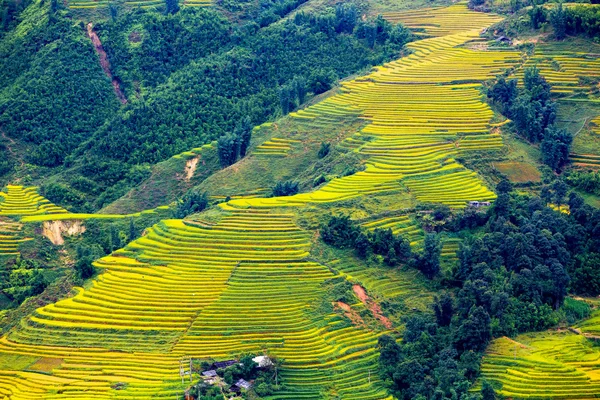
[172, 6]
[537, 16]
[556, 147]
[228, 149]
[428, 261]
[244, 132]
[558, 19]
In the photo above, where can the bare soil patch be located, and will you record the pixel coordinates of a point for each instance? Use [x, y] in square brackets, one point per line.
[361, 293]
[519, 172]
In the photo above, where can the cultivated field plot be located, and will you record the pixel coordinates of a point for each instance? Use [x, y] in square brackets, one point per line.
[18, 201]
[275, 148]
[586, 146]
[442, 21]
[202, 289]
[549, 365]
[422, 110]
[91, 4]
[564, 70]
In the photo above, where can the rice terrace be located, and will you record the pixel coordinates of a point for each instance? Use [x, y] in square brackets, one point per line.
[299, 199]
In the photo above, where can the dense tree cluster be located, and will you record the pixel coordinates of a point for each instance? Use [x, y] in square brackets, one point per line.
[588, 181]
[340, 231]
[567, 21]
[55, 94]
[583, 20]
[191, 203]
[234, 145]
[512, 276]
[22, 278]
[533, 113]
[286, 188]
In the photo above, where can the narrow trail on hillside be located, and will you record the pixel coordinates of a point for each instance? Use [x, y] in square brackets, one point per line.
[104, 62]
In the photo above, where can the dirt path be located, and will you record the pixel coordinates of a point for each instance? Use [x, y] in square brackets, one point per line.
[104, 62]
[372, 306]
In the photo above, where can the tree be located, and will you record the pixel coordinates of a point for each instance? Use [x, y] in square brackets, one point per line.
[114, 11]
[476, 3]
[443, 307]
[300, 88]
[132, 231]
[340, 231]
[391, 259]
[345, 17]
[537, 16]
[475, 332]
[321, 80]
[228, 149]
[191, 203]
[586, 276]
[504, 186]
[285, 100]
[487, 391]
[362, 245]
[243, 132]
[324, 150]
[286, 188]
[558, 19]
[555, 147]
[172, 6]
[560, 191]
[86, 255]
[428, 261]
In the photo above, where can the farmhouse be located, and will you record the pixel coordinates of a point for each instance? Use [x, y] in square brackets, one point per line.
[478, 204]
[223, 364]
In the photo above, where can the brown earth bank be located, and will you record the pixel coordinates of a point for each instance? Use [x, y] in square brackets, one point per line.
[361, 293]
[104, 62]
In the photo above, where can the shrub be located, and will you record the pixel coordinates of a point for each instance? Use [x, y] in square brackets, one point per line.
[286, 188]
[340, 232]
[324, 150]
[192, 202]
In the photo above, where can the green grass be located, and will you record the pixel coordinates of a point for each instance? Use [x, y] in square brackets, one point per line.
[168, 182]
[16, 361]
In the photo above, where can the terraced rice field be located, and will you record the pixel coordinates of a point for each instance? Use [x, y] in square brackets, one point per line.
[441, 21]
[585, 160]
[10, 238]
[202, 291]
[595, 125]
[400, 225]
[422, 110]
[549, 365]
[275, 148]
[245, 284]
[91, 4]
[562, 69]
[18, 201]
[586, 156]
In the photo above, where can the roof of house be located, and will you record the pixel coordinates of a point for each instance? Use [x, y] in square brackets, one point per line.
[243, 384]
[262, 361]
[224, 364]
[209, 373]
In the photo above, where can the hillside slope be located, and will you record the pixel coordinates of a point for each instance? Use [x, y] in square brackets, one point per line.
[247, 278]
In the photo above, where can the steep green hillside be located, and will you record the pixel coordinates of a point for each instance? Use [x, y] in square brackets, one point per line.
[378, 236]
